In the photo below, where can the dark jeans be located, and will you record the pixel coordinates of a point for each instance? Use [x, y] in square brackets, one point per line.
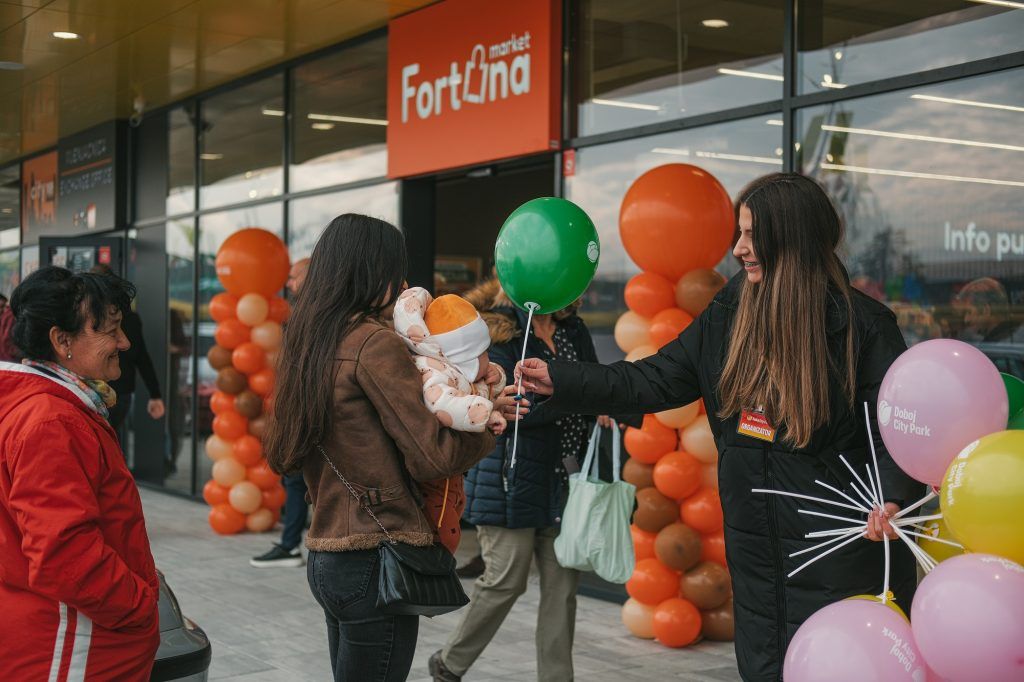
[295, 510]
[365, 645]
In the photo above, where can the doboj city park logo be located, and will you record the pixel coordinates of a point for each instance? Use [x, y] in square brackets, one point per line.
[903, 421]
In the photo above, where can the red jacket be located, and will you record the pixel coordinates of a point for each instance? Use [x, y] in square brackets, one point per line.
[78, 588]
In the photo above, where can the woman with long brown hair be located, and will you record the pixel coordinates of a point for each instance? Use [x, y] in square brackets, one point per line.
[349, 413]
[788, 345]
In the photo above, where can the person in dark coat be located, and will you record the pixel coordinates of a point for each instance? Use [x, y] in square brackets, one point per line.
[789, 340]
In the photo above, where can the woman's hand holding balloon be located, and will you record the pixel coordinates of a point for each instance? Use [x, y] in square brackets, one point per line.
[878, 522]
[534, 373]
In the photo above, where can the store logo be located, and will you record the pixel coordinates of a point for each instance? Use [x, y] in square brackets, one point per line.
[593, 251]
[498, 71]
[884, 412]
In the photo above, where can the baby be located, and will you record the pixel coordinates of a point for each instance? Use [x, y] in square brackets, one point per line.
[449, 341]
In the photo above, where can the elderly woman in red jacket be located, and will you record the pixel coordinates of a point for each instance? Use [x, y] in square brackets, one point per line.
[77, 582]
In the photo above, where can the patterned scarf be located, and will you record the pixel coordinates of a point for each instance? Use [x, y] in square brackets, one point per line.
[102, 395]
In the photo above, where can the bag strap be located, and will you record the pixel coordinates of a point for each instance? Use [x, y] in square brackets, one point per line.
[591, 460]
[358, 499]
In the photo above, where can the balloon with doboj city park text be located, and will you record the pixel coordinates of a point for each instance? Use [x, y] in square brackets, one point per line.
[546, 254]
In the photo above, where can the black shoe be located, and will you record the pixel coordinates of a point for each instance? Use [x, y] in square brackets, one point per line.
[278, 556]
[439, 671]
[474, 568]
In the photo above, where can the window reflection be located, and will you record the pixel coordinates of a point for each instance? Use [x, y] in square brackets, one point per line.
[930, 182]
[648, 62]
[10, 271]
[181, 145]
[180, 246]
[309, 217]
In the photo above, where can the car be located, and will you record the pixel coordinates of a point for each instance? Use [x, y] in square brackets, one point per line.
[185, 652]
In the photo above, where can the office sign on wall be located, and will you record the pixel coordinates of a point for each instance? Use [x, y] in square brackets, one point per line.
[471, 81]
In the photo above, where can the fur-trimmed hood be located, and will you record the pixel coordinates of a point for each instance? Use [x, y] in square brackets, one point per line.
[496, 309]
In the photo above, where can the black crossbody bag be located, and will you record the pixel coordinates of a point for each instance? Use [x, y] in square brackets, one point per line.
[414, 581]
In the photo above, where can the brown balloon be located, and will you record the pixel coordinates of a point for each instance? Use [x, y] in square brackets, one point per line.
[707, 585]
[639, 474]
[219, 357]
[248, 404]
[258, 426]
[231, 381]
[654, 511]
[718, 624]
[678, 546]
[695, 289]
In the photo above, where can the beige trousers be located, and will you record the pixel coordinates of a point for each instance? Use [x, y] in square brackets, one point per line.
[508, 553]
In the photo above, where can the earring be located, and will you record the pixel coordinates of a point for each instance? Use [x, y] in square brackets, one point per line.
[69, 356]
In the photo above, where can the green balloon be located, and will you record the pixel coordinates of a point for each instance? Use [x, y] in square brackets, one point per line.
[1015, 392]
[546, 254]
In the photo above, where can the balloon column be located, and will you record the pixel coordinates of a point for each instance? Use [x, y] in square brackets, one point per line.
[676, 223]
[244, 493]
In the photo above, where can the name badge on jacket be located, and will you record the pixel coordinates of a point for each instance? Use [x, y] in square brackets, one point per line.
[754, 424]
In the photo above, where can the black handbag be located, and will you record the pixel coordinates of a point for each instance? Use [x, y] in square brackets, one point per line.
[413, 580]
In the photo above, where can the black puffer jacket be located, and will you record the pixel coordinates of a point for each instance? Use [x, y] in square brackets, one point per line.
[761, 531]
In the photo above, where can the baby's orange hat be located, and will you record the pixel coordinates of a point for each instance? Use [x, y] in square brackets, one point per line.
[459, 330]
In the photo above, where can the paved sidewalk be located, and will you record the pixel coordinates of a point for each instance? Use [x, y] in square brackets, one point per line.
[266, 627]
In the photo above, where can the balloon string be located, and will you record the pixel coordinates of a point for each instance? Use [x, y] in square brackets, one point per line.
[530, 308]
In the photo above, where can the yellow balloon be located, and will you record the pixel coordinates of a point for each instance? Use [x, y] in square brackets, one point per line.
[680, 417]
[698, 440]
[983, 496]
[890, 602]
[631, 331]
[939, 551]
[640, 352]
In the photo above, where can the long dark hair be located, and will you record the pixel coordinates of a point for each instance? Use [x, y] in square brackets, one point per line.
[356, 272]
[778, 356]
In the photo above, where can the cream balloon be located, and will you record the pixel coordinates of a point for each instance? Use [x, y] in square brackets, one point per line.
[245, 497]
[680, 417]
[698, 440]
[638, 619]
[217, 448]
[640, 352]
[228, 471]
[631, 331]
[260, 520]
[709, 476]
[267, 335]
[252, 309]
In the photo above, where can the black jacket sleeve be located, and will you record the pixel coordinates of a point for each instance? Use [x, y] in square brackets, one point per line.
[143, 362]
[880, 347]
[663, 381]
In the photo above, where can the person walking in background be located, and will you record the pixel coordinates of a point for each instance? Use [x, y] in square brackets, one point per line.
[986, 313]
[349, 414]
[790, 342]
[77, 582]
[296, 510]
[134, 357]
[8, 351]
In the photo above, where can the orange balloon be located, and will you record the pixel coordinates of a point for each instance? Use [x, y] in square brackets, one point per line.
[214, 493]
[260, 520]
[231, 334]
[247, 450]
[650, 441]
[262, 382]
[676, 622]
[677, 475]
[632, 330]
[221, 402]
[230, 425]
[699, 441]
[249, 358]
[652, 582]
[263, 476]
[279, 309]
[643, 542]
[225, 520]
[222, 307]
[228, 471]
[709, 476]
[695, 289]
[274, 498]
[648, 294]
[680, 417]
[676, 218]
[702, 511]
[640, 352]
[253, 261]
[639, 474]
[667, 325]
[245, 497]
[712, 548]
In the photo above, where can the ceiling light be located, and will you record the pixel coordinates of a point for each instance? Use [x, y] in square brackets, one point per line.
[778, 151]
[211, 157]
[829, 157]
[773, 122]
[625, 105]
[65, 35]
[751, 74]
[271, 112]
[914, 174]
[921, 138]
[253, 193]
[827, 82]
[1001, 3]
[967, 102]
[714, 23]
[6, 210]
[322, 126]
[670, 150]
[838, 54]
[347, 119]
[11, 66]
[740, 157]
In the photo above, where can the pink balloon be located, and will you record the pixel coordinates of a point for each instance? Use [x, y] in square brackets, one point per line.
[853, 641]
[968, 617]
[935, 399]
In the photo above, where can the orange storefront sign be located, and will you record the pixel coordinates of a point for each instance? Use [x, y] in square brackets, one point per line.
[471, 81]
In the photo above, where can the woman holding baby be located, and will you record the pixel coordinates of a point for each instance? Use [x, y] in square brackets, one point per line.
[350, 403]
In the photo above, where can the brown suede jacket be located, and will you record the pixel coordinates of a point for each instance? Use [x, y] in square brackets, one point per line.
[381, 422]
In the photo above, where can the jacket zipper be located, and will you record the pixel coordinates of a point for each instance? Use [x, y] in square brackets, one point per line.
[773, 537]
